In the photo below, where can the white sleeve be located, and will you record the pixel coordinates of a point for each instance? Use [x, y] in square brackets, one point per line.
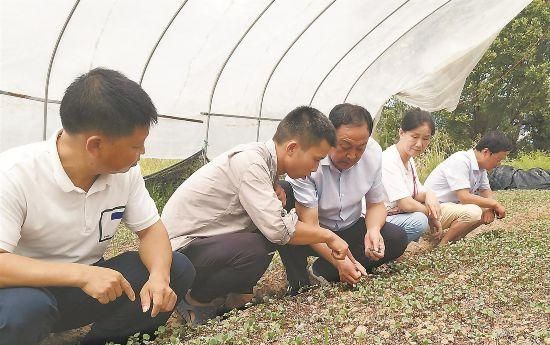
[305, 191]
[457, 175]
[141, 211]
[376, 192]
[392, 179]
[12, 213]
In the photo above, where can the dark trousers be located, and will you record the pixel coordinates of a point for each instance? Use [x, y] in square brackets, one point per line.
[28, 315]
[229, 263]
[294, 258]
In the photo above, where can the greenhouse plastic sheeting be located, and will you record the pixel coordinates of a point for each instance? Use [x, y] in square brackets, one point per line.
[239, 66]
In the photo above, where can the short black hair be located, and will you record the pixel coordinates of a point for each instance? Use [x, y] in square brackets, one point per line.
[415, 118]
[350, 114]
[307, 125]
[107, 101]
[495, 141]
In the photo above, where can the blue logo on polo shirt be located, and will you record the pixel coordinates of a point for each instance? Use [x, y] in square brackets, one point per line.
[117, 215]
[108, 222]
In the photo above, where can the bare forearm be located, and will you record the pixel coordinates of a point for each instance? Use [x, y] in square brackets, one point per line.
[38, 273]
[155, 251]
[478, 200]
[376, 216]
[324, 251]
[410, 205]
[487, 193]
[310, 234]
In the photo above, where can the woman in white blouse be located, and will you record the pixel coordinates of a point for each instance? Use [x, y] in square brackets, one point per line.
[409, 204]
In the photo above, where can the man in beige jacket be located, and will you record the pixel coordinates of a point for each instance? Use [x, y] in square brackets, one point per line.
[228, 220]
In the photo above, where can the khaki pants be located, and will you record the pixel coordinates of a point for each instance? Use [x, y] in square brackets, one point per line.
[464, 213]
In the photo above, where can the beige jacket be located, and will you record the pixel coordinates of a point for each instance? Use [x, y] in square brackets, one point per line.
[233, 193]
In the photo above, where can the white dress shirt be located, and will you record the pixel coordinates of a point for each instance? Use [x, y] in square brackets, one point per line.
[338, 194]
[459, 171]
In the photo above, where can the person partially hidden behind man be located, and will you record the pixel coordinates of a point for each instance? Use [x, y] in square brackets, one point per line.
[228, 220]
[332, 196]
[61, 201]
[462, 186]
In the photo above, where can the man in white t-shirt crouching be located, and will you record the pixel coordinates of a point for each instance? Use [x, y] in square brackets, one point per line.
[462, 186]
[61, 201]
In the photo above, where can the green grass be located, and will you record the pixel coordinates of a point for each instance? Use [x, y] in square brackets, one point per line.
[535, 159]
[488, 289]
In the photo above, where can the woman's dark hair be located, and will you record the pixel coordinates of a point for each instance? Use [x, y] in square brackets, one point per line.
[415, 118]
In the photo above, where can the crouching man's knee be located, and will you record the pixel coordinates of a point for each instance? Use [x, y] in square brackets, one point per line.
[27, 315]
[182, 274]
[470, 213]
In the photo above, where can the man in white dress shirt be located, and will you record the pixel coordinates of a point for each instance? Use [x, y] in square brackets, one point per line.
[332, 197]
[462, 186]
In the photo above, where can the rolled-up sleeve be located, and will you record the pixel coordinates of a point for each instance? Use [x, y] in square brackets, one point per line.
[258, 198]
[141, 211]
[305, 191]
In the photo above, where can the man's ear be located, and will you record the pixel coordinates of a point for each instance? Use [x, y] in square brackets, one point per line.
[291, 147]
[93, 144]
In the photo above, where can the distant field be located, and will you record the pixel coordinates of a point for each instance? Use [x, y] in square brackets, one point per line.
[535, 159]
[152, 165]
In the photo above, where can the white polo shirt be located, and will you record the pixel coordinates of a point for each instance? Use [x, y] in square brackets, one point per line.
[338, 194]
[44, 216]
[399, 181]
[459, 171]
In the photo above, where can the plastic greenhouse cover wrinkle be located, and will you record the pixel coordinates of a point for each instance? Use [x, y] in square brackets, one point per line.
[252, 59]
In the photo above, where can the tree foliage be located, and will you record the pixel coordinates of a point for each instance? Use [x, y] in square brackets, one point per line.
[509, 89]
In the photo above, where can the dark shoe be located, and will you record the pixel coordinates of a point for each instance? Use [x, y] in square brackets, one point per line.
[201, 314]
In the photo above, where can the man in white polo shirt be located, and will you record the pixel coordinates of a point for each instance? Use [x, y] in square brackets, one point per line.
[332, 196]
[60, 204]
[462, 186]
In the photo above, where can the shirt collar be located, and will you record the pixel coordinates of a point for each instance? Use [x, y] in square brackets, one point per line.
[326, 161]
[472, 156]
[404, 167]
[60, 175]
